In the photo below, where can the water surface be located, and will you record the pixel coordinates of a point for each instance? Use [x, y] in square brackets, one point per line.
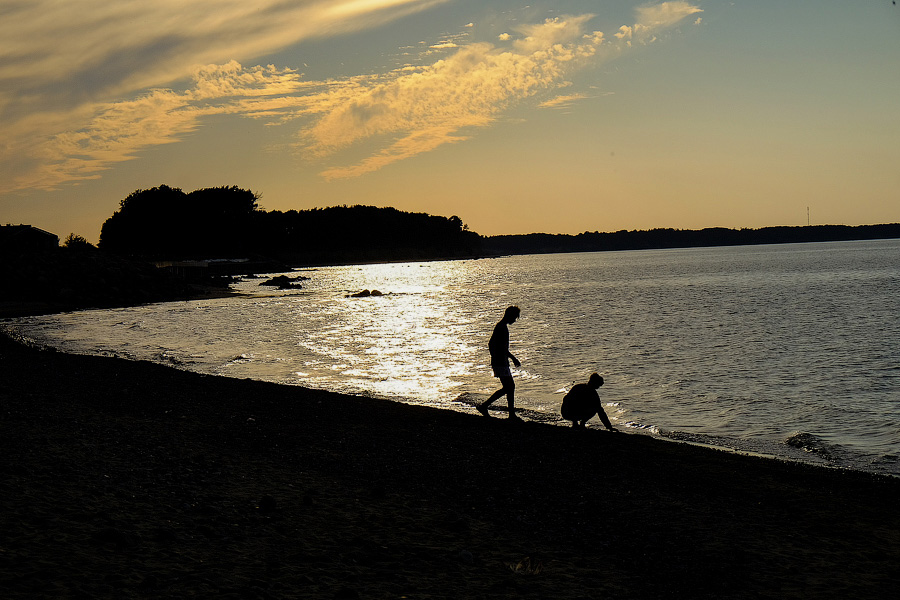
[789, 350]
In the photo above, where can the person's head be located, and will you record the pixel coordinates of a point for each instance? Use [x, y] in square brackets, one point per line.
[511, 314]
[595, 381]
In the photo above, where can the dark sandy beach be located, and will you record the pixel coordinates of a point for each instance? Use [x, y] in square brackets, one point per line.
[132, 480]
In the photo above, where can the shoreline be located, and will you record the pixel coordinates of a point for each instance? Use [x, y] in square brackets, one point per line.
[128, 479]
[801, 454]
[13, 309]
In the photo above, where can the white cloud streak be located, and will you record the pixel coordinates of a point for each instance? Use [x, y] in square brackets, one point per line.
[408, 111]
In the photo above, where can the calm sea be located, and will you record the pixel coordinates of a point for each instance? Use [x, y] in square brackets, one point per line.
[784, 350]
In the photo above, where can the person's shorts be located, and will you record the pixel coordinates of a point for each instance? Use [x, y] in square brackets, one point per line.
[501, 371]
[573, 410]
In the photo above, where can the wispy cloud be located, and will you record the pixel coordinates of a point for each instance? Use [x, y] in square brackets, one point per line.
[562, 101]
[59, 53]
[52, 137]
[665, 14]
[63, 63]
[117, 131]
[653, 18]
[444, 102]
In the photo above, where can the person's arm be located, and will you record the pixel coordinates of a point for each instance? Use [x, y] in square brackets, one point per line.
[514, 359]
[602, 414]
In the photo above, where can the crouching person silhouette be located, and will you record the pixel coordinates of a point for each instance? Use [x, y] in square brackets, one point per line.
[583, 402]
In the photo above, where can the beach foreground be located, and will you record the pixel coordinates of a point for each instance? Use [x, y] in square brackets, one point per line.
[128, 479]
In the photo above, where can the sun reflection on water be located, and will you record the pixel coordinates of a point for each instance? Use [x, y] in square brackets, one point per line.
[414, 340]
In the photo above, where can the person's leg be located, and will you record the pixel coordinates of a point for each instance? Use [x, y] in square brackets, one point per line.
[483, 407]
[494, 396]
[509, 390]
[509, 387]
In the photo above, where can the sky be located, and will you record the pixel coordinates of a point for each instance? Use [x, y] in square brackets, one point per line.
[516, 116]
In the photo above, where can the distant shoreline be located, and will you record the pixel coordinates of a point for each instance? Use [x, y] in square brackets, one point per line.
[501, 246]
[142, 284]
[667, 238]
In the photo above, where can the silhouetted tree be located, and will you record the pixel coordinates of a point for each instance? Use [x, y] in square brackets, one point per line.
[166, 222]
[77, 242]
[367, 233]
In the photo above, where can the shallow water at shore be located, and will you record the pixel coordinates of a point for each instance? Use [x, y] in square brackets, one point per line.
[785, 350]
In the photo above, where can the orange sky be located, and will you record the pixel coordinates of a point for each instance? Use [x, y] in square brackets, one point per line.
[559, 117]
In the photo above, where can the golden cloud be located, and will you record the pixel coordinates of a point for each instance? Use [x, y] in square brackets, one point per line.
[407, 111]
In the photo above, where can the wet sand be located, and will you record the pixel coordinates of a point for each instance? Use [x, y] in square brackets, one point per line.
[123, 479]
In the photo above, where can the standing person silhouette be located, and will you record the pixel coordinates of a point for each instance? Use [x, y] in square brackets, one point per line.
[500, 355]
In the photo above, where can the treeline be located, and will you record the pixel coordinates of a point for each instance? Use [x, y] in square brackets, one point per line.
[543, 243]
[167, 223]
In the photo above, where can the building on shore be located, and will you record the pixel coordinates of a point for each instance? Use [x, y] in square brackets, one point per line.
[26, 239]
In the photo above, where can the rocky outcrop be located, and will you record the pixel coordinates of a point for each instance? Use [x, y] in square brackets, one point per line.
[283, 282]
[365, 294]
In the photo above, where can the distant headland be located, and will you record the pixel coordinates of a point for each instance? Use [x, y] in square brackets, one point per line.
[163, 244]
[167, 223]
